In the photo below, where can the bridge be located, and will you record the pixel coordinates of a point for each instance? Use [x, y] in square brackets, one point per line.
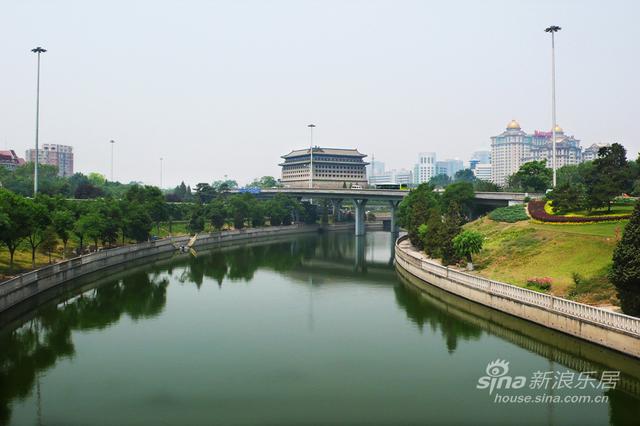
[360, 198]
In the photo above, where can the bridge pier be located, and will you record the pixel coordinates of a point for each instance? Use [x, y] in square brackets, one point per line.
[337, 205]
[360, 215]
[394, 220]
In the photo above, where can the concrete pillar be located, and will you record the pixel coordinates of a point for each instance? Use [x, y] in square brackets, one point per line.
[394, 220]
[360, 216]
[337, 205]
[360, 254]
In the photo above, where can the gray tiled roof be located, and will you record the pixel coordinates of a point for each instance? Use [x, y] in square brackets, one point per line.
[328, 151]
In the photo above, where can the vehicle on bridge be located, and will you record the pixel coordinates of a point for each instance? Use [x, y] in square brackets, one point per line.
[395, 186]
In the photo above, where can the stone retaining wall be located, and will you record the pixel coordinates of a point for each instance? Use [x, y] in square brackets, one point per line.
[613, 330]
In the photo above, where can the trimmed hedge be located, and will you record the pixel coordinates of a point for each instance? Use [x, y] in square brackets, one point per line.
[537, 211]
[509, 214]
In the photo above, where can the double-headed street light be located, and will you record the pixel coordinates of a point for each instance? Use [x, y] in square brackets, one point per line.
[311, 126]
[552, 30]
[37, 50]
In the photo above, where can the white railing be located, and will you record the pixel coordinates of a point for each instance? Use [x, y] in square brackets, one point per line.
[559, 305]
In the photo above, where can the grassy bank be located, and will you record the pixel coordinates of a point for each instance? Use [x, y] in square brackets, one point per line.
[567, 253]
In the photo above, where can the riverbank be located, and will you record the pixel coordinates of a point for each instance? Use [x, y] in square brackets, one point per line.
[576, 257]
[606, 328]
[34, 283]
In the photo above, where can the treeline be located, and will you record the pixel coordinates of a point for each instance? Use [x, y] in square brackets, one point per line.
[45, 221]
[466, 175]
[434, 221]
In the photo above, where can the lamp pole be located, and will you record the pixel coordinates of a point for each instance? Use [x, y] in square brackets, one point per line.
[160, 173]
[112, 142]
[311, 126]
[553, 30]
[37, 50]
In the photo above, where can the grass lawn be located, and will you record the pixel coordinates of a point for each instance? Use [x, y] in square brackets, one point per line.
[515, 252]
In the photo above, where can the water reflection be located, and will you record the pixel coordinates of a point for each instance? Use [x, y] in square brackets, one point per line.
[45, 337]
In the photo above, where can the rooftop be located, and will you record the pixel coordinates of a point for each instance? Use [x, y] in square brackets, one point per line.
[328, 151]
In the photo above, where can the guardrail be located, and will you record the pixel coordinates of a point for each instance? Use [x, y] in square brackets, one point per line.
[614, 320]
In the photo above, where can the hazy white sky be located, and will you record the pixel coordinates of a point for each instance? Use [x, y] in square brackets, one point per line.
[226, 87]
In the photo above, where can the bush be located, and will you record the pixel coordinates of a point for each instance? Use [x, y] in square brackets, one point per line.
[539, 283]
[509, 214]
[538, 212]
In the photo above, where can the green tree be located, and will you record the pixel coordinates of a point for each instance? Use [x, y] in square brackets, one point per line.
[568, 197]
[63, 222]
[137, 223]
[265, 182]
[611, 176]
[533, 176]
[467, 243]
[625, 271]
[257, 212]
[217, 213]
[415, 209]
[460, 195]
[238, 208]
[464, 175]
[36, 225]
[440, 181]
[49, 241]
[14, 226]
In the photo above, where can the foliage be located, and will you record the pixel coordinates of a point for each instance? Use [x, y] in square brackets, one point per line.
[468, 243]
[460, 195]
[568, 197]
[14, 226]
[216, 213]
[416, 208]
[533, 176]
[485, 186]
[540, 283]
[610, 178]
[265, 182]
[464, 175]
[625, 272]
[538, 212]
[509, 214]
[440, 181]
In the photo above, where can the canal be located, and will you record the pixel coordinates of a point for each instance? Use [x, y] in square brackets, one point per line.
[315, 329]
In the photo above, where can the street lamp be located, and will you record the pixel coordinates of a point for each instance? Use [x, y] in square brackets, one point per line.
[37, 50]
[311, 126]
[553, 30]
[112, 142]
[160, 173]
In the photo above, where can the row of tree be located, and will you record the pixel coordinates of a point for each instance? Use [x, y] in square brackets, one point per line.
[465, 175]
[434, 221]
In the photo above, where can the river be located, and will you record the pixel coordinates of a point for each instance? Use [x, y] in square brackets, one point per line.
[315, 329]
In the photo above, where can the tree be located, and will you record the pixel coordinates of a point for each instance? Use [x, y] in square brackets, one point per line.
[224, 185]
[464, 175]
[460, 195]
[36, 225]
[15, 214]
[415, 209]
[485, 186]
[137, 223]
[568, 197]
[468, 243]
[257, 212]
[625, 271]
[451, 225]
[205, 192]
[238, 208]
[533, 176]
[265, 182]
[49, 241]
[63, 221]
[440, 181]
[611, 176]
[217, 213]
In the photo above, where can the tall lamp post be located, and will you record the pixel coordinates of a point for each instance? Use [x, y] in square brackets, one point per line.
[160, 173]
[37, 50]
[553, 30]
[311, 126]
[112, 142]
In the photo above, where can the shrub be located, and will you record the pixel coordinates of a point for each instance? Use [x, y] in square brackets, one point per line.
[509, 214]
[538, 212]
[539, 283]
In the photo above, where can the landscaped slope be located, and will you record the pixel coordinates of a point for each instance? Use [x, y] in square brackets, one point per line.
[518, 252]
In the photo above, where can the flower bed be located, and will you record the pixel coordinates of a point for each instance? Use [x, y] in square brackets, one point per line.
[538, 212]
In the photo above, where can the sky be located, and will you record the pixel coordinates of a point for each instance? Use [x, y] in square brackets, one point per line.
[224, 88]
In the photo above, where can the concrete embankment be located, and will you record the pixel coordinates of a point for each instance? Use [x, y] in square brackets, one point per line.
[34, 283]
[612, 330]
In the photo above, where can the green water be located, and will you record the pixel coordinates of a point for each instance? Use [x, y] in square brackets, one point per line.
[308, 330]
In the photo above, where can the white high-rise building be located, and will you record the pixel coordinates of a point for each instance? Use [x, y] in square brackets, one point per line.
[482, 171]
[54, 154]
[425, 169]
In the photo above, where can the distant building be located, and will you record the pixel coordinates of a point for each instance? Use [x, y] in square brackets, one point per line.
[591, 153]
[483, 157]
[375, 168]
[332, 168]
[53, 154]
[482, 171]
[9, 159]
[513, 147]
[394, 176]
[449, 167]
[425, 169]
